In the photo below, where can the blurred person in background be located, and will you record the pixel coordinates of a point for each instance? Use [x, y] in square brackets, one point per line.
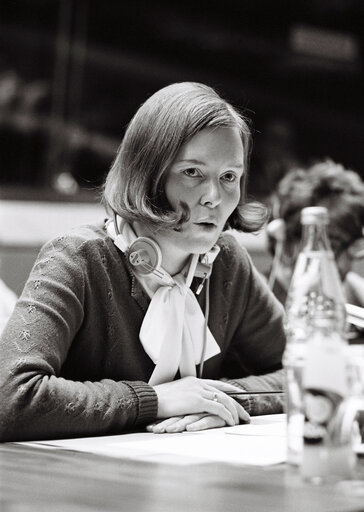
[341, 191]
[152, 318]
[7, 302]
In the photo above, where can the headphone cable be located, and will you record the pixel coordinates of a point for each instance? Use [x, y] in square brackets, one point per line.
[207, 311]
[116, 227]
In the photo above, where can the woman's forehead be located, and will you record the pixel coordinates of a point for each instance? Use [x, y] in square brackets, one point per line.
[221, 143]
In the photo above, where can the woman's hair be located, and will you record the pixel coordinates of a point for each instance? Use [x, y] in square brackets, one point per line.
[135, 185]
[323, 184]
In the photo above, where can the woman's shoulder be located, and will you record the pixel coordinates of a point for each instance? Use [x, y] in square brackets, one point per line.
[80, 251]
[233, 255]
[230, 246]
[78, 242]
[79, 235]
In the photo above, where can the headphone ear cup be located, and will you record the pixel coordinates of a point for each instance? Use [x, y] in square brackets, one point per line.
[145, 255]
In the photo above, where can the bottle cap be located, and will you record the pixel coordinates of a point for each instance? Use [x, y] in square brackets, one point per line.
[315, 215]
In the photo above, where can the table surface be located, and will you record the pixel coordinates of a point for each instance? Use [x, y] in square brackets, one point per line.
[38, 479]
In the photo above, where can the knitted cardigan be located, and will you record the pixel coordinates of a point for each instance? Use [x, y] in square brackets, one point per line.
[71, 360]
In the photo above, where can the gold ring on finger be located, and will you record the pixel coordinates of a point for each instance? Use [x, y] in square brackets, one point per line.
[215, 397]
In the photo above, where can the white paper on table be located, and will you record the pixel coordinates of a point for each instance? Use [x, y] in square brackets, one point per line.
[260, 443]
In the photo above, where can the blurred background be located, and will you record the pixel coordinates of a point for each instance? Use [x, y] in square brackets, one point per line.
[73, 72]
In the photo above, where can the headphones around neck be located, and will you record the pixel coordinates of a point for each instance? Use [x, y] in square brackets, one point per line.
[145, 256]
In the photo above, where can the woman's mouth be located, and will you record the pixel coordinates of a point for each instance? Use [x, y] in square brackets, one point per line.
[209, 226]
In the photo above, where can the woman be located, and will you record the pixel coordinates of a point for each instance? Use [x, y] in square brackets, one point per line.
[111, 331]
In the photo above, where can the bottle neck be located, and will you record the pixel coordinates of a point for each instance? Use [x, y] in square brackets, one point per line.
[315, 238]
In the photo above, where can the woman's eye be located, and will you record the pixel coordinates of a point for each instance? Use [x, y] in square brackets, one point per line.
[192, 172]
[230, 177]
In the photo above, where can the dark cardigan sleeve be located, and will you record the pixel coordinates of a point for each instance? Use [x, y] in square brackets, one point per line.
[36, 402]
[253, 361]
[257, 405]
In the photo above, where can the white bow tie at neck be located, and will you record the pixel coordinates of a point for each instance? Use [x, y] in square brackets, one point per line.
[174, 333]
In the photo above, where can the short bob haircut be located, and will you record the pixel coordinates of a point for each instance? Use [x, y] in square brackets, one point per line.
[135, 185]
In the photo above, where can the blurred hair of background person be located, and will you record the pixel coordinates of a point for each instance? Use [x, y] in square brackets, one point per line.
[328, 184]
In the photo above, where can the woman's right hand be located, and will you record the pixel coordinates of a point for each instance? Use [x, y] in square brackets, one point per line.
[191, 395]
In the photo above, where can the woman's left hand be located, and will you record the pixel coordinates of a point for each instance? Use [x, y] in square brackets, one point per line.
[190, 423]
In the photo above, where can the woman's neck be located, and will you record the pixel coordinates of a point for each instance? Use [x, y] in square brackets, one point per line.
[173, 258]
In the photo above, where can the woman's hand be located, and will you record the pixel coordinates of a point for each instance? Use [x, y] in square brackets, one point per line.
[205, 397]
[190, 423]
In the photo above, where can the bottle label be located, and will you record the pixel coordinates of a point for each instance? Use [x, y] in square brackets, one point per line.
[324, 382]
[320, 409]
[325, 389]
[325, 367]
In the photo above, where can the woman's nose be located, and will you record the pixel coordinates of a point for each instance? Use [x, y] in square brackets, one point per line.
[211, 195]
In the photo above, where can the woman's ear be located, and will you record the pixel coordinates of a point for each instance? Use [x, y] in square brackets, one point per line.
[277, 230]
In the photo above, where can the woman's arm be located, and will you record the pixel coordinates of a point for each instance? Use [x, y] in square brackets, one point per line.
[257, 405]
[36, 401]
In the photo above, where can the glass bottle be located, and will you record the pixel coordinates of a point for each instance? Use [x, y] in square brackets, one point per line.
[315, 305]
[329, 413]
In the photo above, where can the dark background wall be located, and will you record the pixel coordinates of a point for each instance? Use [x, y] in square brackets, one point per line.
[73, 72]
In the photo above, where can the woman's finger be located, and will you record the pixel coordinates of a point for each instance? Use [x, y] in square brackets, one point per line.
[225, 400]
[182, 424]
[243, 415]
[161, 426]
[215, 406]
[210, 421]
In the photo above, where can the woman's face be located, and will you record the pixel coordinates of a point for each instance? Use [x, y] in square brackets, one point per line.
[206, 175]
